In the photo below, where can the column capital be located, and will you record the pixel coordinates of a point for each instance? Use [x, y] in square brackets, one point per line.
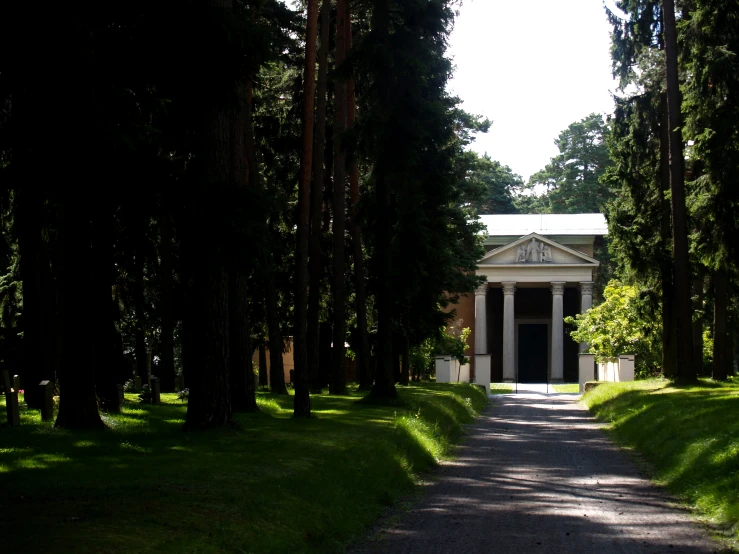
[586, 287]
[509, 287]
[481, 290]
[558, 287]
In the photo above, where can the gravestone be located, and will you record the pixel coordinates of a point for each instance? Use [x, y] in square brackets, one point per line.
[47, 400]
[121, 396]
[155, 390]
[137, 383]
[16, 383]
[11, 399]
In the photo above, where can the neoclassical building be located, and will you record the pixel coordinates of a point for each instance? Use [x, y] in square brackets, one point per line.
[539, 269]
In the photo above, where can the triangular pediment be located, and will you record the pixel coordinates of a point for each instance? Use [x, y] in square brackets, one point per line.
[536, 250]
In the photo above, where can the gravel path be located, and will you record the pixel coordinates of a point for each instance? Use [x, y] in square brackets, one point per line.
[537, 475]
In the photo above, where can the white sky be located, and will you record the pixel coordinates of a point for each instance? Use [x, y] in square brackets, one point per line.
[532, 68]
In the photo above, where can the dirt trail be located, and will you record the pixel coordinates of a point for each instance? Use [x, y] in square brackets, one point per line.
[537, 475]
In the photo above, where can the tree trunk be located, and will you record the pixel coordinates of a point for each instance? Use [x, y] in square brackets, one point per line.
[364, 372]
[36, 342]
[263, 377]
[316, 204]
[684, 369]
[698, 294]
[78, 407]
[384, 387]
[209, 403]
[106, 358]
[243, 387]
[338, 374]
[666, 265]
[301, 406]
[274, 331]
[720, 339]
[142, 358]
[405, 362]
[166, 290]
[208, 373]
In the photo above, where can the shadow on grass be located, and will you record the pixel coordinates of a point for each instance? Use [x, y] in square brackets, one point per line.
[689, 435]
[272, 484]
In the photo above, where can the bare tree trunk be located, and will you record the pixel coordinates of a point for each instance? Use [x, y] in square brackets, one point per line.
[263, 377]
[384, 387]
[666, 265]
[78, 407]
[106, 360]
[316, 204]
[405, 362]
[364, 372]
[243, 387]
[209, 403]
[301, 405]
[36, 341]
[208, 376]
[166, 290]
[338, 374]
[698, 295]
[274, 331]
[684, 369]
[143, 369]
[720, 339]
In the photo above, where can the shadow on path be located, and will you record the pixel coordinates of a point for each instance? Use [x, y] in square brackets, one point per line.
[536, 474]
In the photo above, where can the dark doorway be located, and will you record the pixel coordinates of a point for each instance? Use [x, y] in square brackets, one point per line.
[532, 353]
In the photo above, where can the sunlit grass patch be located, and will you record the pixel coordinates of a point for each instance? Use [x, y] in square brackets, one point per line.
[501, 388]
[688, 436]
[569, 388]
[270, 483]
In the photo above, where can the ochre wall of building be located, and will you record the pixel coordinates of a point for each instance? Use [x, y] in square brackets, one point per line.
[465, 310]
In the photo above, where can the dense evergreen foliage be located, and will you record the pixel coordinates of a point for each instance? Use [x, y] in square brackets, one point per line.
[157, 235]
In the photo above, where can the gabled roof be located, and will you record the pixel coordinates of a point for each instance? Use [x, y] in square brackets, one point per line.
[580, 258]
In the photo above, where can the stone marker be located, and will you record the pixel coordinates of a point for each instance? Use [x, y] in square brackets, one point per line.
[121, 397]
[11, 399]
[16, 383]
[137, 383]
[155, 390]
[47, 400]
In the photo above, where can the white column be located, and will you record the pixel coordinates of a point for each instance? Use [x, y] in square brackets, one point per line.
[586, 302]
[509, 342]
[558, 289]
[481, 320]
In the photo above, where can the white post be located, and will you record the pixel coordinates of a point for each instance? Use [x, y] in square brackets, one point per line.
[586, 371]
[626, 367]
[558, 289]
[509, 342]
[586, 302]
[482, 370]
[481, 322]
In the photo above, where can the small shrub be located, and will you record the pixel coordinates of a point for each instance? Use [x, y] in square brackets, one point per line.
[129, 386]
[184, 394]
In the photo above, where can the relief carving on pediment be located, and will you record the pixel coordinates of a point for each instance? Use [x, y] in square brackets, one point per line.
[536, 252]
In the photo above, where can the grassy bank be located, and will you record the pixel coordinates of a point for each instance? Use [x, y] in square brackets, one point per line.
[689, 437]
[272, 484]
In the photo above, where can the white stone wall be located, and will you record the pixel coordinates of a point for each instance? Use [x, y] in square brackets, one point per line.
[617, 370]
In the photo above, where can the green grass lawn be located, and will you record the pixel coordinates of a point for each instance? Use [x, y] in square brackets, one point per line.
[689, 437]
[501, 388]
[570, 388]
[271, 484]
